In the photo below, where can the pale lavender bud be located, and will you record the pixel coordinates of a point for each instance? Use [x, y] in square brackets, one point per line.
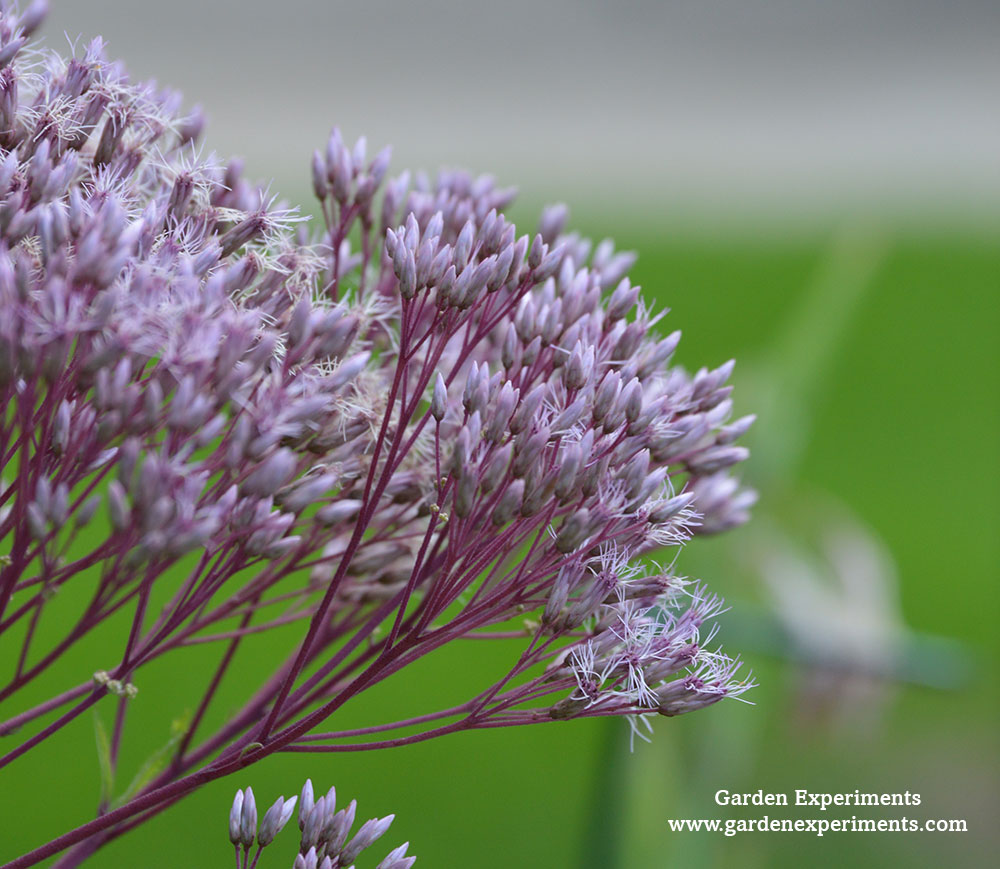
[339, 826]
[509, 504]
[622, 300]
[360, 151]
[58, 509]
[300, 325]
[439, 265]
[339, 511]
[576, 372]
[235, 818]
[208, 258]
[549, 265]
[474, 423]
[706, 382]
[649, 486]
[314, 824]
[490, 229]
[530, 353]
[501, 269]
[527, 450]
[517, 270]
[308, 492]
[592, 475]
[61, 426]
[118, 506]
[270, 475]
[569, 466]
[337, 338]
[471, 386]
[634, 473]
[397, 859]
[473, 281]
[550, 324]
[211, 430]
[32, 17]
[340, 169]
[248, 818]
[566, 579]
[43, 493]
[570, 416]
[537, 252]
[607, 393]
[380, 165]
[690, 430]
[573, 531]
[716, 458]
[444, 287]
[511, 353]
[87, 511]
[503, 409]
[460, 453]
[423, 259]
[734, 431]
[465, 495]
[393, 245]
[369, 833]
[348, 370]
[408, 276]
[306, 802]
[496, 469]
[526, 411]
[439, 398]
[245, 231]
[631, 400]
[664, 349]
[306, 861]
[320, 187]
[274, 820]
[411, 232]
[37, 523]
[525, 320]
[463, 246]
[553, 222]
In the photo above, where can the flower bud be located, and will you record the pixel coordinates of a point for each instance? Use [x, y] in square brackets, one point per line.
[369, 833]
[275, 819]
[339, 826]
[248, 819]
[397, 859]
[235, 817]
[271, 474]
[306, 802]
[339, 511]
[574, 531]
[509, 503]
[439, 398]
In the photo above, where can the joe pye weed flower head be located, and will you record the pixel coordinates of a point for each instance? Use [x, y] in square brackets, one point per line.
[402, 429]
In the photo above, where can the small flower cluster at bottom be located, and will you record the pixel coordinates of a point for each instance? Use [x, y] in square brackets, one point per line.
[325, 831]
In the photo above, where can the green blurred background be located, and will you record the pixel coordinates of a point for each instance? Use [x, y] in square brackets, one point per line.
[863, 594]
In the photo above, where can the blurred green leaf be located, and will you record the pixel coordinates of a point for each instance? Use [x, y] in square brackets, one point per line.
[104, 762]
[157, 761]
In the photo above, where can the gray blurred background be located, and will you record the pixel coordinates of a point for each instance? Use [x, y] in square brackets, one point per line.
[715, 109]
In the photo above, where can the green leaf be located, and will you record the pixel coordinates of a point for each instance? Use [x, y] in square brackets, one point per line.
[157, 761]
[104, 759]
